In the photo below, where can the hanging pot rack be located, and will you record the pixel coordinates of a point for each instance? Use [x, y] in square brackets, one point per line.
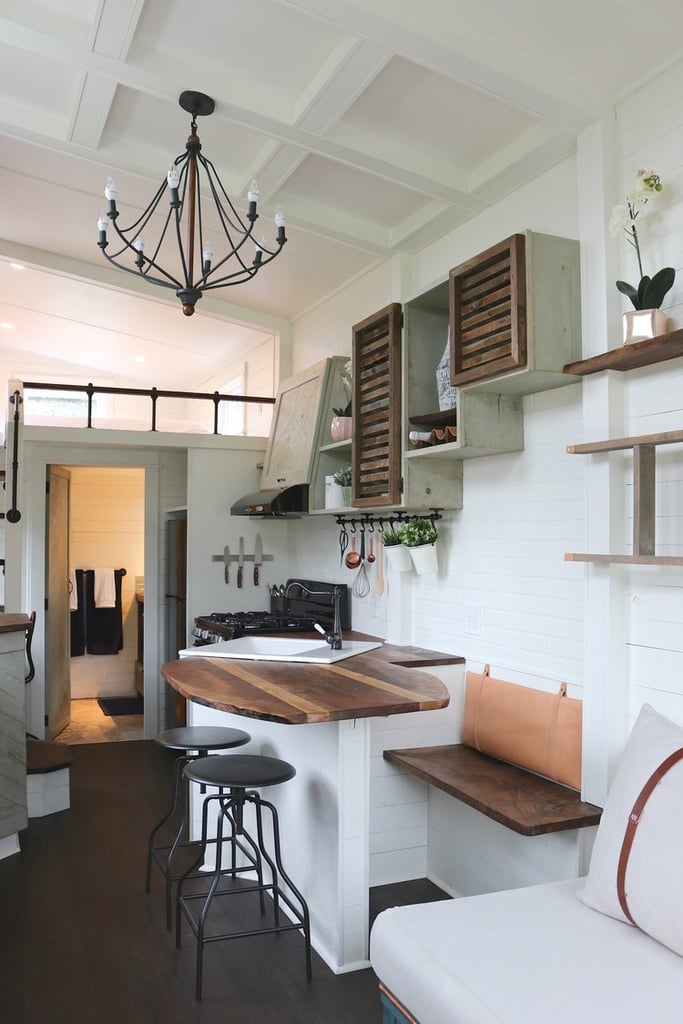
[370, 521]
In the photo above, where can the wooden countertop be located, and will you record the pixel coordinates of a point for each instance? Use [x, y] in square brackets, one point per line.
[386, 681]
[12, 623]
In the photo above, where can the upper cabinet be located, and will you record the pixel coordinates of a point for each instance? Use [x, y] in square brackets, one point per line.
[294, 436]
[377, 409]
[443, 378]
[515, 315]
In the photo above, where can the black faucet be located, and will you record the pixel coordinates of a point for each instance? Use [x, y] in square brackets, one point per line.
[334, 638]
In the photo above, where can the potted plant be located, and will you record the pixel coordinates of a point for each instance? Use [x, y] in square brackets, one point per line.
[419, 536]
[646, 320]
[344, 478]
[341, 427]
[398, 557]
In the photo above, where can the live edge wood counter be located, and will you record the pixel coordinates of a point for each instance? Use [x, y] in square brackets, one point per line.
[386, 681]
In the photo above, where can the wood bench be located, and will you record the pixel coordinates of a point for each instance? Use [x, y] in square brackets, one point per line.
[514, 797]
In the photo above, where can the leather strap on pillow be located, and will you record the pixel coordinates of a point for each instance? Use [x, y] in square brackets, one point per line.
[633, 822]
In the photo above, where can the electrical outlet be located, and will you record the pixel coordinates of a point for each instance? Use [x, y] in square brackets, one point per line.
[473, 619]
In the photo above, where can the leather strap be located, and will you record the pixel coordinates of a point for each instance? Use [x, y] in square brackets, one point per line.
[633, 822]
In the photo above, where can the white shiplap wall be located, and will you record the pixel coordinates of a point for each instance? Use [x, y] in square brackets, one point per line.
[542, 619]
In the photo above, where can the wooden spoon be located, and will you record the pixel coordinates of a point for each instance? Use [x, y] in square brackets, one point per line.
[379, 582]
[352, 560]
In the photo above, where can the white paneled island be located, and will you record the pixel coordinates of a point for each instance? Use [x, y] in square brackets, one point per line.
[332, 723]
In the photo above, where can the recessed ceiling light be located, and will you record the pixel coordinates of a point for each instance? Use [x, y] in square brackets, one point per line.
[5, 326]
[17, 266]
[140, 359]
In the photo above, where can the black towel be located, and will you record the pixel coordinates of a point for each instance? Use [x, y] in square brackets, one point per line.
[78, 618]
[103, 626]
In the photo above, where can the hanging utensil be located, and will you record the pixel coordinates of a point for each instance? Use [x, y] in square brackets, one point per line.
[371, 552]
[240, 564]
[343, 543]
[258, 558]
[379, 582]
[361, 586]
[352, 560]
[226, 560]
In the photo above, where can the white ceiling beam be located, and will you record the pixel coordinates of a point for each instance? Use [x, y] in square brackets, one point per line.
[114, 26]
[102, 273]
[352, 66]
[91, 111]
[448, 47]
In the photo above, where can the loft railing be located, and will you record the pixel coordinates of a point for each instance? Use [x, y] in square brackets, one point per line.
[154, 394]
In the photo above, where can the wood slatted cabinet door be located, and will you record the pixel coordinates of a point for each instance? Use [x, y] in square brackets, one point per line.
[488, 313]
[376, 452]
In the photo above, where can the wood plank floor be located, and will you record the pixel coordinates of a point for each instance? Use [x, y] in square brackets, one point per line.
[81, 942]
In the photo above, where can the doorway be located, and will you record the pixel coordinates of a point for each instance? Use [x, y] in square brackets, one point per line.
[106, 531]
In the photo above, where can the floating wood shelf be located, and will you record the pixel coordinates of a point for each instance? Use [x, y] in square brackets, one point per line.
[629, 357]
[444, 418]
[644, 448]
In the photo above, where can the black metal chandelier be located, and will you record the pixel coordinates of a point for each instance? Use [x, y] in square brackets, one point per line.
[189, 175]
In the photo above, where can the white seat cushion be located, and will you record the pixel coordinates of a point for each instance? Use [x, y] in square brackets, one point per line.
[534, 955]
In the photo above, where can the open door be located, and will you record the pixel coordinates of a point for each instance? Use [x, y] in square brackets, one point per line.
[57, 614]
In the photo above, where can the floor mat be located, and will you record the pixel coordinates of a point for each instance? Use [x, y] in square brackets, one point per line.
[122, 705]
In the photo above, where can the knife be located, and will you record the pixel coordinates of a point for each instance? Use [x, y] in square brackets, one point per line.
[240, 563]
[226, 560]
[258, 558]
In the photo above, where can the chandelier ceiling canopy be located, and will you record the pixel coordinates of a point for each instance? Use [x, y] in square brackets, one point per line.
[199, 211]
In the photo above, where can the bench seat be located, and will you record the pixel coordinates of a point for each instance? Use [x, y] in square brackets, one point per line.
[47, 777]
[523, 956]
[514, 797]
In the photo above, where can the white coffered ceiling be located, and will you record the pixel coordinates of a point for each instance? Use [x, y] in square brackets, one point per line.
[377, 125]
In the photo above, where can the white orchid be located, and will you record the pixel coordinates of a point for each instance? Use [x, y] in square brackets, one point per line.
[650, 291]
[347, 381]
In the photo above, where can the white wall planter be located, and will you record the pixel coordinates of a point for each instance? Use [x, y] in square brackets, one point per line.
[398, 558]
[423, 558]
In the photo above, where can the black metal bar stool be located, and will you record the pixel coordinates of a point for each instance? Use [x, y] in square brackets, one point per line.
[239, 775]
[195, 741]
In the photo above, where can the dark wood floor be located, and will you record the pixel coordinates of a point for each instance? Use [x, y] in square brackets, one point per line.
[81, 942]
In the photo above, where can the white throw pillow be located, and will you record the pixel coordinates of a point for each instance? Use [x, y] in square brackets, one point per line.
[654, 875]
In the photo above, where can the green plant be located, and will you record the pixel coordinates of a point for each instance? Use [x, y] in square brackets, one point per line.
[344, 476]
[418, 531]
[651, 290]
[390, 538]
[346, 379]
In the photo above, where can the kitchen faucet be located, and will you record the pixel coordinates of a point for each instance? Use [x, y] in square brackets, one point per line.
[334, 639]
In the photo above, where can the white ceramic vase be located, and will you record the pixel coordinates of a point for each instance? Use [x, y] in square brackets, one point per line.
[423, 558]
[640, 324]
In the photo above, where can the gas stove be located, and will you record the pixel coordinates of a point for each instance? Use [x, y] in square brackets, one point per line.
[209, 629]
[295, 614]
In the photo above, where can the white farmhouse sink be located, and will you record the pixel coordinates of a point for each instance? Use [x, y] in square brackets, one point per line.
[281, 648]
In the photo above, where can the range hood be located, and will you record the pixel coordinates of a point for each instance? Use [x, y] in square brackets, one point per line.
[283, 503]
[292, 446]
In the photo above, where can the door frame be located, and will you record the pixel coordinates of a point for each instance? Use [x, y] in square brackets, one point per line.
[37, 456]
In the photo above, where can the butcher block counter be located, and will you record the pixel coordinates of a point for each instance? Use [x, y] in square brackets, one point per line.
[386, 681]
[346, 822]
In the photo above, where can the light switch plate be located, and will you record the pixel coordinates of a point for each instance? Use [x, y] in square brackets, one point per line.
[473, 619]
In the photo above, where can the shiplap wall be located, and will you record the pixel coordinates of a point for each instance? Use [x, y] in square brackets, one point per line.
[650, 135]
[107, 531]
[502, 556]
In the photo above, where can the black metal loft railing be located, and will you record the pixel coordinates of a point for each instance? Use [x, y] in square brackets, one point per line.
[154, 394]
